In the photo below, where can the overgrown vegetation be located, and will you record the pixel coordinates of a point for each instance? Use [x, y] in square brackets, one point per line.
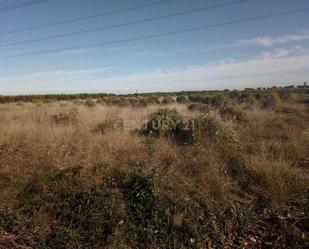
[165, 122]
[211, 170]
[204, 108]
[109, 125]
[65, 118]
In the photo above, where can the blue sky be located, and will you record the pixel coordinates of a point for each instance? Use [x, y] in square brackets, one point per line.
[271, 51]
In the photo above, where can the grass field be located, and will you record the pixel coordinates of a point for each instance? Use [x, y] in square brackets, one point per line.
[187, 170]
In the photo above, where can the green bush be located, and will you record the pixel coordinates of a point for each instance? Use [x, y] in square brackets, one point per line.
[246, 98]
[65, 118]
[234, 94]
[200, 99]
[207, 128]
[109, 125]
[167, 100]
[140, 103]
[152, 100]
[100, 101]
[169, 123]
[123, 102]
[182, 99]
[215, 101]
[270, 100]
[165, 123]
[234, 114]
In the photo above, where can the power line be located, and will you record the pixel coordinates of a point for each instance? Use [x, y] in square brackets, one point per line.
[85, 17]
[20, 5]
[124, 24]
[159, 35]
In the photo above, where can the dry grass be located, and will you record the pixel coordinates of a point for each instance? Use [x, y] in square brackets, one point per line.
[270, 164]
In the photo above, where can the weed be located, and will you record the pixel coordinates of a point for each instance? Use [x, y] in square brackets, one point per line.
[65, 118]
[182, 99]
[109, 125]
[56, 207]
[234, 114]
[90, 103]
[167, 100]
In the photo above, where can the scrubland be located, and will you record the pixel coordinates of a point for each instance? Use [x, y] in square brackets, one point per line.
[174, 171]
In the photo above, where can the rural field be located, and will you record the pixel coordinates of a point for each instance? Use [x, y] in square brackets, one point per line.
[223, 169]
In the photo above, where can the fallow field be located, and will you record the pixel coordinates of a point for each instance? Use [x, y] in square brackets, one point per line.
[222, 169]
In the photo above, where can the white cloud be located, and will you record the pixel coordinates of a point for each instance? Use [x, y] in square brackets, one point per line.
[268, 41]
[264, 41]
[281, 66]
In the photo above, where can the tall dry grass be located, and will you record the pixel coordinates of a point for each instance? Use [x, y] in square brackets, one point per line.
[268, 167]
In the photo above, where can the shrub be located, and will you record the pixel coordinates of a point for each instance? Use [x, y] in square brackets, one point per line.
[214, 101]
[167, 100]
[169, 123]
[246, 98]
[234, 114]
[182, 99]
[208, 128]
[133, 101]
[152, 100]
[268, 101]
[115, 100]
[90, 103]
[77, 102]
[199, 107]
[123, 102]
[109, 125]
[140, 103]
[217, 101]
[199, 99]
[165, 123]
[284, 94]
[101, 101]
[234, 94]
[65, 118]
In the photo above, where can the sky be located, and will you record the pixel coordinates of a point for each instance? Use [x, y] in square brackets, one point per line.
[257, 53]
